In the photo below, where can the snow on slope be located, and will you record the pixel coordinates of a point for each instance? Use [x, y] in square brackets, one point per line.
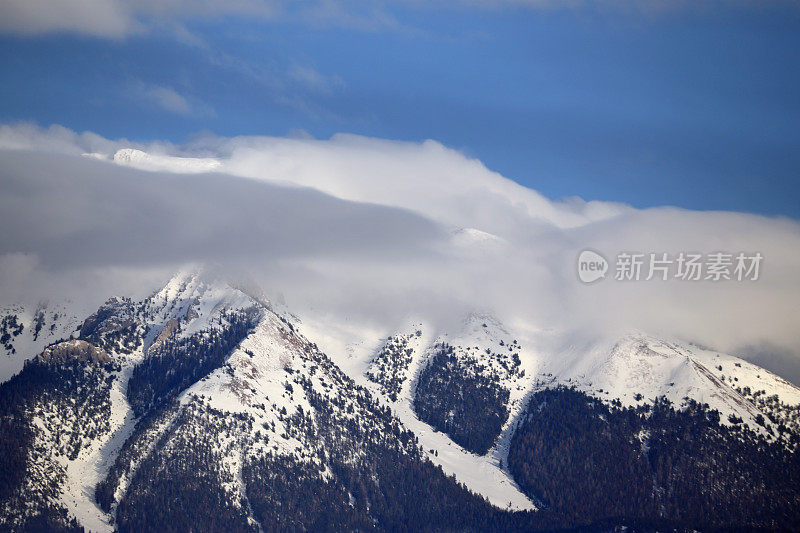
[482, 474]
[242, 385]
[621, 369]
[633, 369]
[145, 161]
[188, 303]
[260, 368]
[26, 331]
[92, 463]
[194, 298]
[478, 333]
[258, 376]
[471, 238]
[639, 368]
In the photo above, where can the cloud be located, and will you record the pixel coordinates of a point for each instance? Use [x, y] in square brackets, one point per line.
[55, 139]
[289, 83]
[609, 6]
[100, 18]
[167, 99]
[75, 212]
[72, 219]
[188, 9]
[370, 232]
[313, 79]
[120, 18]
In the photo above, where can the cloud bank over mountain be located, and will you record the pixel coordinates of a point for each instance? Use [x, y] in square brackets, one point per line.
[374, 232]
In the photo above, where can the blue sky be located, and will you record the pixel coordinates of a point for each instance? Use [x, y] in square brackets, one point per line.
[678, 105]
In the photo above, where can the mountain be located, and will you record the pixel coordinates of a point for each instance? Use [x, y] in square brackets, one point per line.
[206, 407]
[145, 161]
[26, 331]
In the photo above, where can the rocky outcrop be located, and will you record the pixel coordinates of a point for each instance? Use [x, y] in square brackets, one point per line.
[113, 316]
[166, 332]
[74, 350]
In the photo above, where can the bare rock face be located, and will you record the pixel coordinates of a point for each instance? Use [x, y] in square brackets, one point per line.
[191, 314]
[74, 350]
[113, 316]
[114, 327]
[166, 332]
[173, 325]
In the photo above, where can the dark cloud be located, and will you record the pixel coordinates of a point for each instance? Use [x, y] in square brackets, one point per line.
[76, 212]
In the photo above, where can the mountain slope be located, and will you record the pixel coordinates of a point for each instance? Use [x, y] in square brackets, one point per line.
[25, 331]
[638, 369]
[202, 394]
[635, 371]
[584, 460]
[200, 407]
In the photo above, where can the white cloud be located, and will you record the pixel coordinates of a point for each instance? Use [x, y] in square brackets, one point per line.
[117, 18]
[373, 231]
[168, 99]
[120, 18]
[187, 9]
[101, 18]
[58, 139]
[313, 79]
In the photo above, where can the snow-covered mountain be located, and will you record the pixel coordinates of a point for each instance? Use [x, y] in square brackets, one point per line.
[639, 368]
[25, 331]
[205, 407]
[145, 161]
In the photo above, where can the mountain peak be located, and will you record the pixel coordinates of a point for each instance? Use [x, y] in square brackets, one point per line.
[145, 161]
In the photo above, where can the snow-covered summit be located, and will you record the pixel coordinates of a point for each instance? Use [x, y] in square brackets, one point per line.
[639, 368]
[145, 161]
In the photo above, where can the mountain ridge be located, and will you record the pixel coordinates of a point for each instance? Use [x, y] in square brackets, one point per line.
[201, 361]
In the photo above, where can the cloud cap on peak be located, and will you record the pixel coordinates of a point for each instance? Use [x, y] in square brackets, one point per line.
[372, 231]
